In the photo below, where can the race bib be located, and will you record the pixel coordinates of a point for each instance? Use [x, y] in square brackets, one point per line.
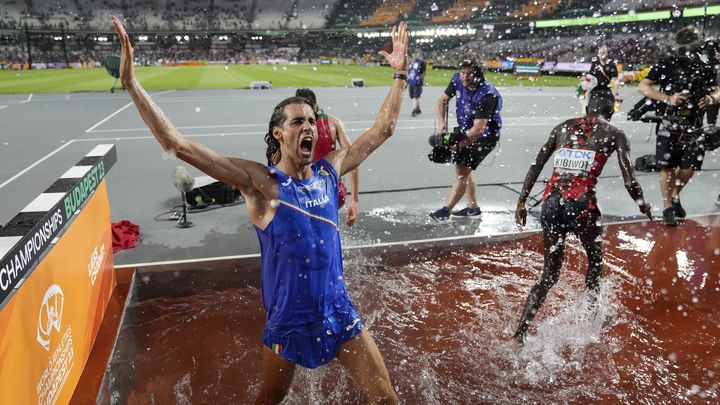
[574, 161]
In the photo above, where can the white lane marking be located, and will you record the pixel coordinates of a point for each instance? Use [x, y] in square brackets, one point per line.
[401, 128]
[130, 138]
[97, 131]
[118, 111]
[535, 120]
[413, 127]
[2, 106]
[28, 99]
[108, 117]
[27, 169]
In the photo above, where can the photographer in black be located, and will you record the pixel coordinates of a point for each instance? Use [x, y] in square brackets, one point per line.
[687, 87]
[477, 109]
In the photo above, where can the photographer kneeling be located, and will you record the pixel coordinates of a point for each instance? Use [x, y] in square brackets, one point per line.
[687, 87]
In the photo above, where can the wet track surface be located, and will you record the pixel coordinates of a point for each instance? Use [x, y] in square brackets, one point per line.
[398, 185]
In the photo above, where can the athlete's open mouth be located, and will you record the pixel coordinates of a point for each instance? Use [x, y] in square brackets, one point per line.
[306, 145]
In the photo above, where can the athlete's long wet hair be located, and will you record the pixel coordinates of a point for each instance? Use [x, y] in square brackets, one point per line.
[277, 120]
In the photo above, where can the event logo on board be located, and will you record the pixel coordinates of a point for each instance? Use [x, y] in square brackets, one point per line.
[95, 263]
[50, 316]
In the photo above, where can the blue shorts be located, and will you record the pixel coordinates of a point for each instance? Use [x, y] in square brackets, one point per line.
[315, 343]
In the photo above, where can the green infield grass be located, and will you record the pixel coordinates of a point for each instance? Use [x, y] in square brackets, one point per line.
[234, 77]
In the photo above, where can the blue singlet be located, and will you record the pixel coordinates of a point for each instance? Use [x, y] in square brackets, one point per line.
[309, 313]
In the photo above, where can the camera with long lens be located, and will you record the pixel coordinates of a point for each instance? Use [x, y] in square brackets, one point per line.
[443, 143]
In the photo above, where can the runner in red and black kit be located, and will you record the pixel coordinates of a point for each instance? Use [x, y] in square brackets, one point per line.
[581, 147]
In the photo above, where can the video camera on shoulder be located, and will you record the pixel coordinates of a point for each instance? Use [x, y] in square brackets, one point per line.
[442, 144]
[690, 78]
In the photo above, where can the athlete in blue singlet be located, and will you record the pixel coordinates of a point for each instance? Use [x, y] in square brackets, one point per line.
[293, 205]
[309, 313]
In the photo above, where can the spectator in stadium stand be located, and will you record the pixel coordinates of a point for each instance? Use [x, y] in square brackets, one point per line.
[416, 80]
[604, 71]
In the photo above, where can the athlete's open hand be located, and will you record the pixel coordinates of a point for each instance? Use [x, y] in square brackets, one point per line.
[127, 65]
[521, 215]
[398, 58]
[352, 213]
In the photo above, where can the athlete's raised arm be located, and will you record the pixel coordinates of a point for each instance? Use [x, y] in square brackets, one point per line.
[243, 174]
[384, 125]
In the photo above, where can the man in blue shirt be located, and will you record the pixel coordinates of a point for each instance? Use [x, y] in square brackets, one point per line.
[477, 109]
[293, 206]
[416, 80]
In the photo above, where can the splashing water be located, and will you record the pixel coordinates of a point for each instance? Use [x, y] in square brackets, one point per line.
[443, 325]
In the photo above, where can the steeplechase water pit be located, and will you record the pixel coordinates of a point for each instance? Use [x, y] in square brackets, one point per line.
[442, 312]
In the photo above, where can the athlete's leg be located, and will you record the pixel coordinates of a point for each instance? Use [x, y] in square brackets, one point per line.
[277, 375]
[590, 235]
[553, 250]
[463, 173]
[362, 358]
